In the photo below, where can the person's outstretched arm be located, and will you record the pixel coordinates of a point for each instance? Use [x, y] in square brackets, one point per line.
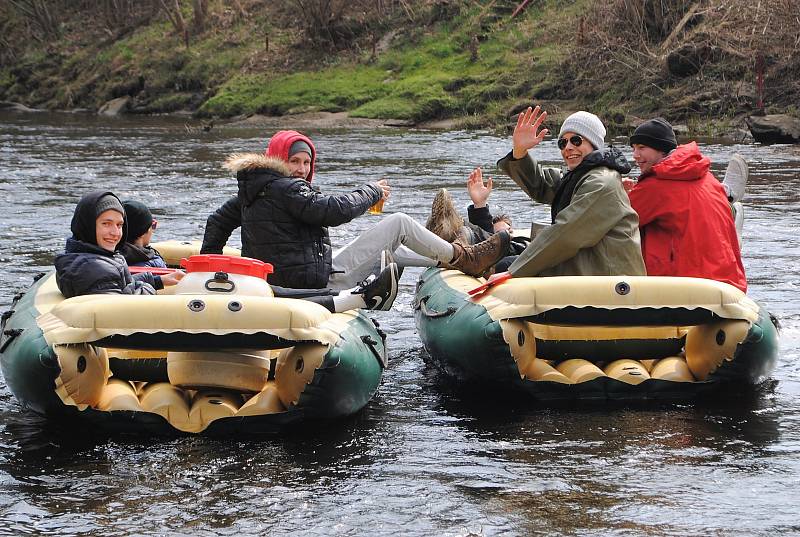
[478, 213]
[312, 207]
[220, 225]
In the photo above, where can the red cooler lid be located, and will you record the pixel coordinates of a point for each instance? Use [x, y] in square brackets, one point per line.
[227, 263]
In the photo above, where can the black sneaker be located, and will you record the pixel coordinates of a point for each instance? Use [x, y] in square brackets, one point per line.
[381, 290]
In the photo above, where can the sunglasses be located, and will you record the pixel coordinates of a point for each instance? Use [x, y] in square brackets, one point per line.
[576, 140]
[154, 224]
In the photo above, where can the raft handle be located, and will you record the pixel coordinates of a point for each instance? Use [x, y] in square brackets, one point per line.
[11, 335]
[369, 342]
[378, 329]
[433, 314]
[776, 322]
[225, 284]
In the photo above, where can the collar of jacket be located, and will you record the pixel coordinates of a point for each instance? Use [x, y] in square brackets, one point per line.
[74, 246]
[685, 163]
[137, 254]
[610, 157]
[240, 162]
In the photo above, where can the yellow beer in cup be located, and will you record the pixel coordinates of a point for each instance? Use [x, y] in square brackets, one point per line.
[377, 208]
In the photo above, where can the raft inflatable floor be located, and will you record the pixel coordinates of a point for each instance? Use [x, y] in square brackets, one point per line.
[663, 339]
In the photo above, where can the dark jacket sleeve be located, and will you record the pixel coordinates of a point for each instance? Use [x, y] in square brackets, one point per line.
[313, 208]
[220, 225]
[149, 278]
[481, 217]
[538, 182]
[85, 275]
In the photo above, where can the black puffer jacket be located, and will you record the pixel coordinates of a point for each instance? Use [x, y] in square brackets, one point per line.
[85, 268]
[284, 220]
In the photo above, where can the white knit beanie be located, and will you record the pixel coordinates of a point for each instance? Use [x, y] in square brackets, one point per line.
[587, 125]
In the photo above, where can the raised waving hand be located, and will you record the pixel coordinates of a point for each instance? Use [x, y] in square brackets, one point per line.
[527, 134]
[478, 191]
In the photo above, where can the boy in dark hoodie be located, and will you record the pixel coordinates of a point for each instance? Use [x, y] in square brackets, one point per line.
[141, 226]
[91, 262]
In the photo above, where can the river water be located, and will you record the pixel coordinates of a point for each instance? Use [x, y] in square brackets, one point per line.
[421, 459]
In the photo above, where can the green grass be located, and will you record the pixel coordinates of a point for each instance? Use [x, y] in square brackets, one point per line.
[427, 74]
[431, 79]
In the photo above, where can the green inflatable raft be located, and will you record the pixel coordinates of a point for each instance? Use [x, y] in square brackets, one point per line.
[597, 338]
[217, 355]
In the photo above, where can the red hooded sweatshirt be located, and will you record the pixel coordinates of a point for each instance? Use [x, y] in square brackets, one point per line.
[282, 141]
[686, 221]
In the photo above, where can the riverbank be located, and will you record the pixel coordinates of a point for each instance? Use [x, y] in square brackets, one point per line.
[446, 64]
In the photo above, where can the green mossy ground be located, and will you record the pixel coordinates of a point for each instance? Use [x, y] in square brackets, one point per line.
[427, 73]
[431, 77]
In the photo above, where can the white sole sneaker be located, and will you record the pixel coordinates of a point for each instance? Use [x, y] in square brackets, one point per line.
[736, 176]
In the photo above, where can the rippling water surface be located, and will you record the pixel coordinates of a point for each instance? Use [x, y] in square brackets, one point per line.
[421, 459]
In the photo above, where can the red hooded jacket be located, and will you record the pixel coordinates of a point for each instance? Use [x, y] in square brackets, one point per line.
[282, 141]
[686, 221]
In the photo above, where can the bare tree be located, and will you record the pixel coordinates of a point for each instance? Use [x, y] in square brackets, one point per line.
[173, 10]
[200, 8]
[337, 23]
[45, 25]
[119, 16]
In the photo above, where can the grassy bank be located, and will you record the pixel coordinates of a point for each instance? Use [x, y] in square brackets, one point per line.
[467, 60]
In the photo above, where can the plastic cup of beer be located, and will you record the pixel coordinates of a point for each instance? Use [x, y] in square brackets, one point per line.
[377, 208]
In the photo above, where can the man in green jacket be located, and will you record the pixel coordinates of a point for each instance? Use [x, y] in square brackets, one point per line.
[594, 231]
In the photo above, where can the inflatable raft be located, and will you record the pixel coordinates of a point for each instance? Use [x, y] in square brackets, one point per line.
[596, 338]
[217, 354]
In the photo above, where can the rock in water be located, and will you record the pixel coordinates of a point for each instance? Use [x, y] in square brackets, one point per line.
[775, 129]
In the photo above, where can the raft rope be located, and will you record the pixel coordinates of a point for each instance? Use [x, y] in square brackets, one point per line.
[422, 305]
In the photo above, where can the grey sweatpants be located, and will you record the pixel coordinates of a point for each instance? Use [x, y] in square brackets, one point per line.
[411, 243]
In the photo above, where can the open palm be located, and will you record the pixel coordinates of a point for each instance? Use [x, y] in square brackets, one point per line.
[479, 191]
[527, 133]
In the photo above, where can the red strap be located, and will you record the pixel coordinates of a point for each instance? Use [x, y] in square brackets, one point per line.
[158, 271]
[495, 279]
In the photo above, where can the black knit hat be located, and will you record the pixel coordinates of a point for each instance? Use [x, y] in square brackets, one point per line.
[656, 133]
[139, 219]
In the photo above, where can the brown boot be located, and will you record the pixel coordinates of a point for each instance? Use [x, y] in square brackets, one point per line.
[476, 259]
[444, 220]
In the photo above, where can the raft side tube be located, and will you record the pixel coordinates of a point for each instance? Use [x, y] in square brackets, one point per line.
[603, 300]
[723, 346]
[72, 379]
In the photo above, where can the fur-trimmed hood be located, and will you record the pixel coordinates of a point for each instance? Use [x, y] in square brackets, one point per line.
[239, 162]
[255, 171]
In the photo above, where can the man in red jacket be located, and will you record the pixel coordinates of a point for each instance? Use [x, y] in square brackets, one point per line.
[685, 217]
